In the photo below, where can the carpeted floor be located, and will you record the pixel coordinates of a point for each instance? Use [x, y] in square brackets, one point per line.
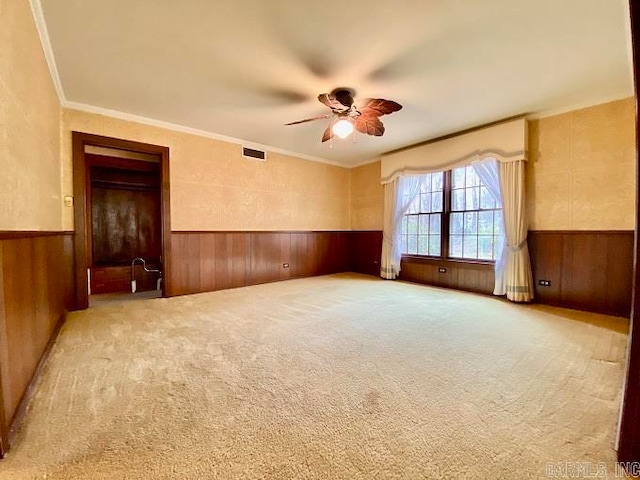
[335, 377]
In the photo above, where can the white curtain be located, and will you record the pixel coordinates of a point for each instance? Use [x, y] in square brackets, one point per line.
[398, 196]
[386, 262]
[488, 172]
[517, 279]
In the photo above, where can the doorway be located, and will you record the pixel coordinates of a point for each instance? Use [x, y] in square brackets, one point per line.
[121, 218]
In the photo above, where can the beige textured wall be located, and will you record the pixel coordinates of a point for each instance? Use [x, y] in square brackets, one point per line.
[580, 173]
[581, 169]
[214, 188]
[367, 197]
[29, 126]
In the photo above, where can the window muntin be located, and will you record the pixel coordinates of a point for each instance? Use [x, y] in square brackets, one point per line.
[474, 218]
[422, 224]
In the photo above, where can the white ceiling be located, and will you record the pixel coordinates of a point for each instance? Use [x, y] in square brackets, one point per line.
[243, 68]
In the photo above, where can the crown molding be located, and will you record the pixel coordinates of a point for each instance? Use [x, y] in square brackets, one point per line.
[45, 41]
[43, 33]
[366, 162]
[152, 122]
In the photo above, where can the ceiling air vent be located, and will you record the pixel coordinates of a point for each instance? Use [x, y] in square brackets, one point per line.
[254, 154]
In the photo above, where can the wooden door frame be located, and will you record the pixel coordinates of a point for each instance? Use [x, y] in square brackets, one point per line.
[629, 432]
[81, 190]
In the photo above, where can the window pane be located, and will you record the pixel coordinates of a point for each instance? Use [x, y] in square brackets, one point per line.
[436, 202]
[485, 223]
[404, 244]
[415, 205]
[486, 199]
[437, 181]
[423, 244]
[497, 222]
[425, 202]
[425, 186]
[485, 247]
[473, 200]
[457, 200]
[412, 246]
[470, 223]
[404, 225]
[455, 246]
[412, 224]
[456, 222]
[457, 178]
[434, 245]
[472, 179]
[470, 246]
[435, 226]
[423, 224]
[497, 242]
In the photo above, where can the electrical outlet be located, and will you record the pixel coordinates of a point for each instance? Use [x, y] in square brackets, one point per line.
[544, 283]
[68, 201]
[285, 265]
[442, 270]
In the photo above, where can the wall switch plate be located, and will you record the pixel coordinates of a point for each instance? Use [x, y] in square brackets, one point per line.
[285, 265]
[442, 270]
[544, 283]
[68, 201]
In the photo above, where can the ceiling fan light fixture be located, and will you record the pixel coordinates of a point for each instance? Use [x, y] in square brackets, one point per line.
[346, 116]
[342, 128]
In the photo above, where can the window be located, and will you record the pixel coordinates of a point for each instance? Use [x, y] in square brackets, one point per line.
[422, 225]
[458, 203]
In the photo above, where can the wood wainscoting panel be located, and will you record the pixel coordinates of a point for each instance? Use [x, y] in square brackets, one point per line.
[472, 277]
[232, 260]
[37, 289]
[208, 261]
[365, 251]
[302, 252]
[269, 252]
[588, 270]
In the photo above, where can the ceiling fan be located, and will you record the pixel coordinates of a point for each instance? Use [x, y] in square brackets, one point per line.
[346, 115]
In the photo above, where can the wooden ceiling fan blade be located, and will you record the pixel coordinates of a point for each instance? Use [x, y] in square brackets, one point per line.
[379, 106]
[328, 133]
[369, 124]
[308, 120]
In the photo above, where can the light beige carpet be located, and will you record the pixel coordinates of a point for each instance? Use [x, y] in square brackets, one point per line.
[335, 377]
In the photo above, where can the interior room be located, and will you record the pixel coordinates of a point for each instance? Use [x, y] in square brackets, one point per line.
[318, 240]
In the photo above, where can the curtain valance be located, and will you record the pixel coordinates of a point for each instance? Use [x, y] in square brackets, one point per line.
[506, 142]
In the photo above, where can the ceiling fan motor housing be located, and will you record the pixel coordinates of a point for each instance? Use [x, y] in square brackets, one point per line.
[344, 96]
